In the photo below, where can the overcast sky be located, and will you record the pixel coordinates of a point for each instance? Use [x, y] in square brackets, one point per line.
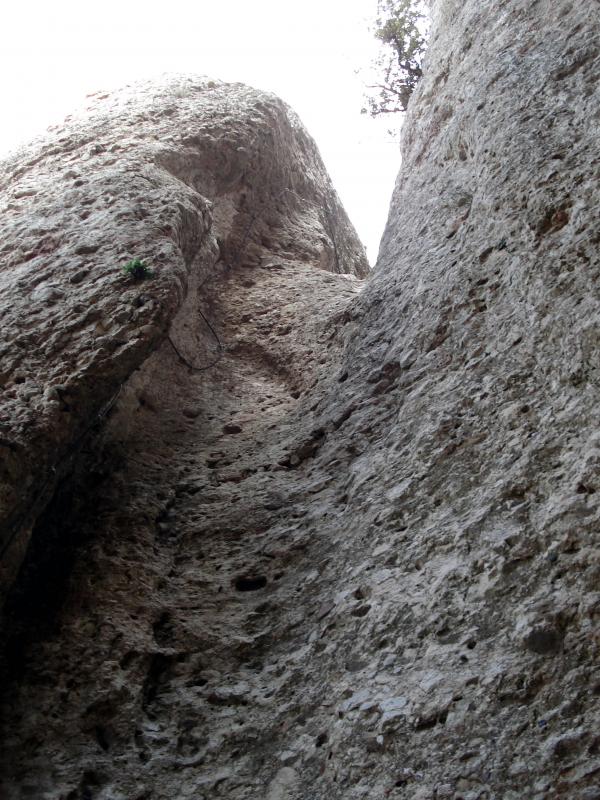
[53, 53]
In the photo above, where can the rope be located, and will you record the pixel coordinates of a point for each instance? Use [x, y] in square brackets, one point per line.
[207, 366]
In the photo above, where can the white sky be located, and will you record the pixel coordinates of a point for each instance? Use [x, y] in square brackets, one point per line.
[307, 52]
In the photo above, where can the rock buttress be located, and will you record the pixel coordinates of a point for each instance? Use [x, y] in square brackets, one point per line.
[460, 648]
[193, 176]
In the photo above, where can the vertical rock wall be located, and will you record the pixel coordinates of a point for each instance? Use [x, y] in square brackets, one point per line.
[191, 175]
[357, 558]
[470, 385]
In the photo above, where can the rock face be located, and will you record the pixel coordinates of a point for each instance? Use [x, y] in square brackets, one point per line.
[355, 557]
[192, 176]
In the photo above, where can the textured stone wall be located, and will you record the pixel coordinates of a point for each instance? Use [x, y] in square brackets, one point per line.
[190, 175]
[471, 381]
[356, 558]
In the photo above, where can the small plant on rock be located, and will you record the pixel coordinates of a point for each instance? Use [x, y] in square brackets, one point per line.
[137, 269]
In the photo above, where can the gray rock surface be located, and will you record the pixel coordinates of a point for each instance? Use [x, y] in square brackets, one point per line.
[357, 557]
[189, 175]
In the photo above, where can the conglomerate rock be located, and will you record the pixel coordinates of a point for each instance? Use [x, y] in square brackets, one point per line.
[189, 175]
[356, 557]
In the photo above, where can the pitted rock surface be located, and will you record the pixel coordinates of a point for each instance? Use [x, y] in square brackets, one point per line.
[189, 175]
[357, 557]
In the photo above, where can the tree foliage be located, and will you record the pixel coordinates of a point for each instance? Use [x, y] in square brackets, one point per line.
[401, 27]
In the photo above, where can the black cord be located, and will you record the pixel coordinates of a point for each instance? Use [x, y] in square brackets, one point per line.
[207, 366]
